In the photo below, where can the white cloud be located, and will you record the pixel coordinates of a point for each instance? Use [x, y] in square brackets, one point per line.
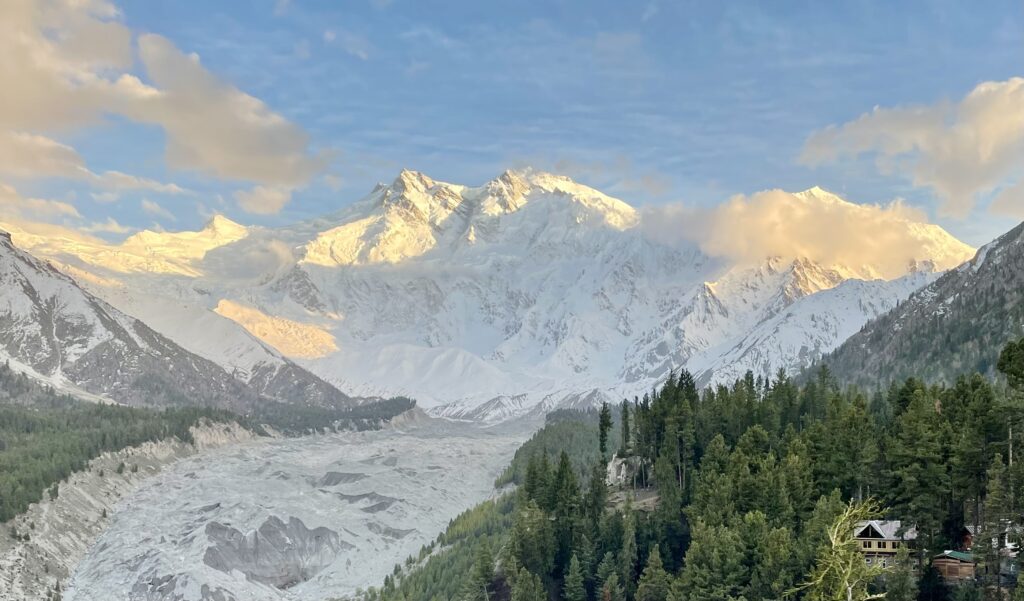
[110, 226]
[333, 182]
[26, 155]
[815, 225]
[1010, 201]
[960, 150]
[116, 180]
[105, 197]
[263, 200]
[155, 210]
[216, 129]
[353, 43]
[250, 259]
[14, 206]
[67, 64]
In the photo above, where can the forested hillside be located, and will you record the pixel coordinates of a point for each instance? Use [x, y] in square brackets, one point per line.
[756, 490]
[956, 325]
[44, 437]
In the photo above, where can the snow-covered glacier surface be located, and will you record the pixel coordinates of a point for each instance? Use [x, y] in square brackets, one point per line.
[309, 518]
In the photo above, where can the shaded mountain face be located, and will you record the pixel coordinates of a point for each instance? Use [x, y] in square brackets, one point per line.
[527, 293]
[956, 325]
[56, 331]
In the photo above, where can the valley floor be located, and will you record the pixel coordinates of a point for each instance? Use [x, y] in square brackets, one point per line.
[60, 531]
[304, 518]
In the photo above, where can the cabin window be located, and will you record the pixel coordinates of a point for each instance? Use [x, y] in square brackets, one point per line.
[867, 544]
[881, 544]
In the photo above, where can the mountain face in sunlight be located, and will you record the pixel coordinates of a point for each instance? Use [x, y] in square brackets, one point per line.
[529, 292]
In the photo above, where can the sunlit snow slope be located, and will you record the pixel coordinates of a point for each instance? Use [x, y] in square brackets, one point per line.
[531, 291]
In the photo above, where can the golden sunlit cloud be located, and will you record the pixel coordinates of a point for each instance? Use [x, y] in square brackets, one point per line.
[959, 150]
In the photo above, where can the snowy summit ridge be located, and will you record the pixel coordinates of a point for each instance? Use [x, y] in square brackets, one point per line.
[525, 293]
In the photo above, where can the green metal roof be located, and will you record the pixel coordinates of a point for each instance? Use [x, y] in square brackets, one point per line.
[958, 555]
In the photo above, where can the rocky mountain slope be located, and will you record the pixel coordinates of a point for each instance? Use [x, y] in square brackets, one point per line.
[529, 292]
[956, 325]
[53, 329]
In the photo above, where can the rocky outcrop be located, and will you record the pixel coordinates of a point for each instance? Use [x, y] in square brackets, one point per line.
[281, 554]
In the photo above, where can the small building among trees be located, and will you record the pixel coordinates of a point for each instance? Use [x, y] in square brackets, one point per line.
[955, 567]
[879, 540]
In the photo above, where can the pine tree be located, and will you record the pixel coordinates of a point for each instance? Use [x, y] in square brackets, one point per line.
[624, 443]
[604, 425]
[714, 569]
[573, 589]
[1011, 365]
[654, 583]
[611, 590]
[920, 478]
[597, 495]
[528, 587]
[628, 555]
[900, 580]
[993, 532]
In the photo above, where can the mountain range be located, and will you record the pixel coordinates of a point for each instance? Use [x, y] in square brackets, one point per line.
[61, 334]
[524, 294]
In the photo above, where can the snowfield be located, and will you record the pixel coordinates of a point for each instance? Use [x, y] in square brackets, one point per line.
[308, 518]
[527, 293]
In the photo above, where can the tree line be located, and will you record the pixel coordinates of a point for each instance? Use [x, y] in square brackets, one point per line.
[752, 491]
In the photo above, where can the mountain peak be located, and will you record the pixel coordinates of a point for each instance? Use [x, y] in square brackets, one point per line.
[820, 194]
[409, 180]
[222, 226]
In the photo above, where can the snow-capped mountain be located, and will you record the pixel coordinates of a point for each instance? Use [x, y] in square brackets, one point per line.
[54, 330]
[529, 292]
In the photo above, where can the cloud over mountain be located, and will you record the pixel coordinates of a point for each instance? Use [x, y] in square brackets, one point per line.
[814, 224]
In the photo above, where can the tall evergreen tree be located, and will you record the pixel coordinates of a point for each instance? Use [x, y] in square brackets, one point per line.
[528, 587]
[901, 579]
[625, 440]
[573, 589]
[920, 483]
[603, 426]
[628, 554]
[654, 582]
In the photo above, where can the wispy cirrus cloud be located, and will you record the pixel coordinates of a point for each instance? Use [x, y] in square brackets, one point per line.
[155, 210]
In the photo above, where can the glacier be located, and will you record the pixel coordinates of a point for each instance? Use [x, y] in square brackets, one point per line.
[308, 518]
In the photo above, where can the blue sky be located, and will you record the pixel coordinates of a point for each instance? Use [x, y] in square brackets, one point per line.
[652, 102]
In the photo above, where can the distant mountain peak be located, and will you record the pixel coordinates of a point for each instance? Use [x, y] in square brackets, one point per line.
[819, 193]
[221, 225]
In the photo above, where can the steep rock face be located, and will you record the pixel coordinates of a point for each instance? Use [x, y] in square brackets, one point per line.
[62, 333]
[526, 293]
[956, 325]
